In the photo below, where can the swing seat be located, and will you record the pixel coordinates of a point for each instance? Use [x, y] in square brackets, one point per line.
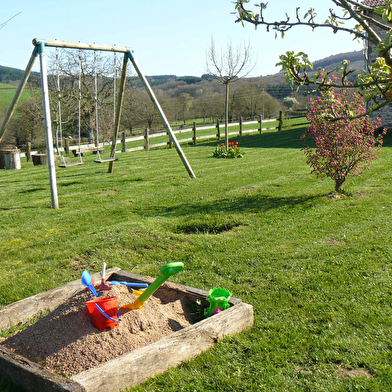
[105, 160]
[65, 165]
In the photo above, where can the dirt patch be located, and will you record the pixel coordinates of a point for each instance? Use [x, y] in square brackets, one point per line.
[109, 192]
[66, 341]
[364, 194]
[247, 188]
[334, 241]
[335, 196]
[360, 372]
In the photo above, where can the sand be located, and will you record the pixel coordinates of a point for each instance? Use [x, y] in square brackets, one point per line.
[66, 341]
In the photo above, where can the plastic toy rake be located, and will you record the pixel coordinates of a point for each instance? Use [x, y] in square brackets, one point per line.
[165, 273]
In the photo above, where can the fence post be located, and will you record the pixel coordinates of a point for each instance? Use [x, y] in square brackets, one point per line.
[123, 143]
[146, 140]
[261, 124]
[217, 129]
[170, 142]
[280, 120]
[66, 147]
[241, 126]
[194, 133]
[28, 152]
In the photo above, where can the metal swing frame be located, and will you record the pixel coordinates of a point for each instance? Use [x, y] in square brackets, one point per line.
[39, 50]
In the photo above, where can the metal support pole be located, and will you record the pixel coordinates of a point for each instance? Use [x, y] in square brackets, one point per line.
[162, 115]
[48, 127]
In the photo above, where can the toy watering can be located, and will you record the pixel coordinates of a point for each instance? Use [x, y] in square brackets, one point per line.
[218, 299]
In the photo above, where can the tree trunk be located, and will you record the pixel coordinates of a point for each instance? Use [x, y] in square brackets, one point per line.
[338, 184]
[227, 116]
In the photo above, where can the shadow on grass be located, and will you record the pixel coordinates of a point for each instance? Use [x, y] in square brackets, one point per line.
[251, 204]
[290, 138]
[71, 183]
[387, 140]
[32, 190]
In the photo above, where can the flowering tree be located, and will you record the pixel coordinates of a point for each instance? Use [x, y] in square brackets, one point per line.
[342, 135]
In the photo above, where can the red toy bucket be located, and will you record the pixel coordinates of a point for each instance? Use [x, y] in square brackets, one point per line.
[103, 312]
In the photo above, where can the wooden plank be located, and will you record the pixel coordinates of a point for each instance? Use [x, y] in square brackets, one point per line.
[24, 310]
[139, 365]
[18, 93]
[80, 45]
[65, 165]
[32, 377]
[106, 160]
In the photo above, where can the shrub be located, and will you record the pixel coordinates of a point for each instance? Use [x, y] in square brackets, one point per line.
[342, 135]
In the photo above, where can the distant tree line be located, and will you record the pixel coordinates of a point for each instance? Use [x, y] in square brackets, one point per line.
[8, 75]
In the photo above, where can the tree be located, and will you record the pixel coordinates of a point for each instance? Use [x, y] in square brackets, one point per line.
[227, 67]
[250, 100]
[373, 25]
[184, 102]
[28, 124]
[343, 146]
[67, 63]
[208, 104]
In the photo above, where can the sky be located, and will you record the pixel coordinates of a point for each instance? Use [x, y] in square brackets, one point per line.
[168, 37]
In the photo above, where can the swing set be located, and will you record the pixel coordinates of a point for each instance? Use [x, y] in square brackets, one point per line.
[59, 131]
[113, 156]
[39, 50]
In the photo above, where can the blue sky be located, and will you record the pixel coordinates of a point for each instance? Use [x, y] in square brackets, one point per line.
[168, 37]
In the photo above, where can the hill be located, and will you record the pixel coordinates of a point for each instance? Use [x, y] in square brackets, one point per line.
[356, 62]
[13, 75]
[8, 74]
[275, 84]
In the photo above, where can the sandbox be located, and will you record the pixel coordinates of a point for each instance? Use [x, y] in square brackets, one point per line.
[178, 339]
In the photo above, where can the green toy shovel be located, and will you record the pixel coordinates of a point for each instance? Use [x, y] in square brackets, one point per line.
[165, 273]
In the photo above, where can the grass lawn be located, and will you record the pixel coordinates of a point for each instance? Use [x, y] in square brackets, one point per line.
[7, 92]
[317, 270]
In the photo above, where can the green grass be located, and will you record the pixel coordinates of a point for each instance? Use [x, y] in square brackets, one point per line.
[7, 92]
[317, 270]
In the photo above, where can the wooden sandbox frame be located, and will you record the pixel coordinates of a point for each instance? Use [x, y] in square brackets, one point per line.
[127, 370]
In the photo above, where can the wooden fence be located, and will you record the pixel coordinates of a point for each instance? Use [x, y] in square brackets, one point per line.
[191, 135]
[202, 133]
